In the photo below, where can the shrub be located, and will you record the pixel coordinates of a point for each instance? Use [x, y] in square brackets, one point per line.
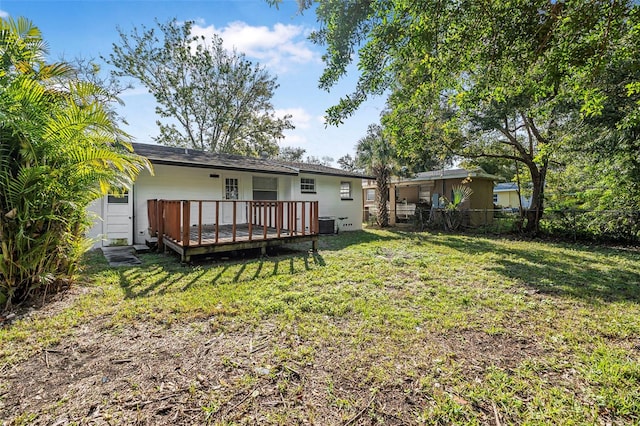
[60, 149]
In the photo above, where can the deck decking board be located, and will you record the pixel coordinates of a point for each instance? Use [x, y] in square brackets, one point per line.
[204, 241]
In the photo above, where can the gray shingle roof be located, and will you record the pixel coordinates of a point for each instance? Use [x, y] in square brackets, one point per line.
[454, 174]
[325, 170]
[159, 154]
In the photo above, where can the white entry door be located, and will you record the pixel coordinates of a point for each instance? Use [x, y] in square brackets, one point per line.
[118, 219]
[231, 191]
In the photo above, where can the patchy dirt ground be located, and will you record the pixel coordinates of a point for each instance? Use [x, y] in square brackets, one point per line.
[206, 372]
[190, 374]
[446, 351]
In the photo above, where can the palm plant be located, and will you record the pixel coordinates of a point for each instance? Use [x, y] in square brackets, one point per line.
[375, 154]
[60, 150]
[452, 214]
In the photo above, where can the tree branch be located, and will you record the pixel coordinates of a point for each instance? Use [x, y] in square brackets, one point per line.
[534, 129]
[506, 157]
[511, 139]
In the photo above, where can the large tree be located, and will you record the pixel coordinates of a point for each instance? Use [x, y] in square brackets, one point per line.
[291, 154]
[210, 98]
[59, 150]
[501, 79]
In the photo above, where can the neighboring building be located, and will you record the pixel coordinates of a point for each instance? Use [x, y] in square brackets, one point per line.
[186, 174]
[427, 188]
[505, 195]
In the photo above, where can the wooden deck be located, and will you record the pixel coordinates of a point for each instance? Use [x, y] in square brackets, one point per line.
[196, 227]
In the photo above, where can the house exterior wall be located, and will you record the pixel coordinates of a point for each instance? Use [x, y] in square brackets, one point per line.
[368, 184]
[191, 183]
[96, 212]
[178, 183]
[482, 197]
[443, 188]
[507, 199]
[328, 197]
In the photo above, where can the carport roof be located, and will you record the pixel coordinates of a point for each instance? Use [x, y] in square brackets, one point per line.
[446, 174]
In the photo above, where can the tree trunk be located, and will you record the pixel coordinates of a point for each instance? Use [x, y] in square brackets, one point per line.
[382, 175]
[536, 209]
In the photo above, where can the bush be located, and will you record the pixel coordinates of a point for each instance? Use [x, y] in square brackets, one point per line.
[60, 149]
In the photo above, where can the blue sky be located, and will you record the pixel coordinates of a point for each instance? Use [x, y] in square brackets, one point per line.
[274, 38]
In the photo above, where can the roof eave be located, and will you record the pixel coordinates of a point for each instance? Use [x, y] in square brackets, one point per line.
[349, 176]
[219, 167]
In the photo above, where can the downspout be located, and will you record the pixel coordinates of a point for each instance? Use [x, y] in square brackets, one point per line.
[133, 214]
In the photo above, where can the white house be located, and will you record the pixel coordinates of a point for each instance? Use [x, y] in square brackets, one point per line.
[507, 195]
[186, 174]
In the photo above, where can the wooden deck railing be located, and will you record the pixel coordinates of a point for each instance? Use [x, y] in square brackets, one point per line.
[187, 221]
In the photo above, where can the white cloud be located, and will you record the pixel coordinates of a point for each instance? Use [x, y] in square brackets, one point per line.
[293, 140]
[300, 118]
[278, 47]
[321, 119]
[4, 14]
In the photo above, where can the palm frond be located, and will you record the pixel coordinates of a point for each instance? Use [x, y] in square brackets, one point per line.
[59, 150]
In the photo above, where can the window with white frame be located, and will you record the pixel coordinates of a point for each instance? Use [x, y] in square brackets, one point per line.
[371, 194]
[308, 185]
[345, 191]
[231, 189]
[265, 188]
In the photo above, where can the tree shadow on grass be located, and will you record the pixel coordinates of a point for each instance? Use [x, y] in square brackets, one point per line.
[561, 269]
[334, 242]
[160, 274]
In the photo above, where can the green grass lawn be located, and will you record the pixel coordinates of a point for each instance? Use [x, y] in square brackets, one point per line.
[378, 327]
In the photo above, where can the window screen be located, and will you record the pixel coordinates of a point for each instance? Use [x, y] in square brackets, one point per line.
[265, 188]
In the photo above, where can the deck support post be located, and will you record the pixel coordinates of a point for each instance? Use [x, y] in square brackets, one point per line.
[199, 222]
[251, 219]
[186, 223]
[217, 220]
[160, 225]
[233, 228]
[264, 218]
